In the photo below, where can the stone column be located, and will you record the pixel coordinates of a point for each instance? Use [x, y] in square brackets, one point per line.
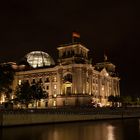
[60, 80]
[50, 85]
[99, 85]
[100, 88]
[90, 81]
[74, 91]
[79, 85]
[118, 87]
[112, 87]
[84, 79]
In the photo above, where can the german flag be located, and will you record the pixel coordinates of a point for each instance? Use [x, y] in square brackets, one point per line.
[76, 35]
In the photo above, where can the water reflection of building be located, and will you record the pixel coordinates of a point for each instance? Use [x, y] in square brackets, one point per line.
[73, 80]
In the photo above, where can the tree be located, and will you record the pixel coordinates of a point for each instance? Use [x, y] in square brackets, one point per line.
[135, 100]
[23, 94]
[38, 93]
[111, 99]
[115, 100]
[26, 93]
[6, 79]
[126, 100]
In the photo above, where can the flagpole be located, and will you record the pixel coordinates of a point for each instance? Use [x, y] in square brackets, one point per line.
[74, 36]
[72, 39]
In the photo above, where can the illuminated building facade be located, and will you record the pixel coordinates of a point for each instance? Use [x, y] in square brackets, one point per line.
[73, 80]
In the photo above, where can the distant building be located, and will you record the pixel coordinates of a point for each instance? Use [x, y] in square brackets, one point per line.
[73, 80]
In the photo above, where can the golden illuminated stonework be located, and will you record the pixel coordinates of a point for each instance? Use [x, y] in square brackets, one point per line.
[39, 59]
[73, 81]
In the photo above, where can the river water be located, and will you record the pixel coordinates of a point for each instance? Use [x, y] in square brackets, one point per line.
[127, 129]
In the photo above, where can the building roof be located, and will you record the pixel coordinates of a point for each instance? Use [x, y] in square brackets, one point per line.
[38, 59]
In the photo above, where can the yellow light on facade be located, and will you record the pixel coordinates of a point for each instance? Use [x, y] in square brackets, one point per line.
[54, 103]
[55, 79]
[3, 98]
[12, 97]
[54, 86]
[54, 95]
[19, 82]
[107, 74]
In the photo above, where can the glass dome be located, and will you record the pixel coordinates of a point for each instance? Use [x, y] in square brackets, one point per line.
[39, 59]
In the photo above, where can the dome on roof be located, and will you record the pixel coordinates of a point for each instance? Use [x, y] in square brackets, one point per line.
[39, 59]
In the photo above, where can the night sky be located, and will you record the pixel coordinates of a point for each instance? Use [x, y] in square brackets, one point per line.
[104, 25]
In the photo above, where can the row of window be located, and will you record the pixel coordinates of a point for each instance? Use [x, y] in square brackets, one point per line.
[70, 53]
[33, 81]
[54, 87]
[41, 80]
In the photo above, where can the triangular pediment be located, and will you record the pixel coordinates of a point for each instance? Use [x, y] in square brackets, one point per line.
[104, 72]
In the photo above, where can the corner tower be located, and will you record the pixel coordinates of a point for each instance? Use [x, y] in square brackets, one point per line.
[75, 53]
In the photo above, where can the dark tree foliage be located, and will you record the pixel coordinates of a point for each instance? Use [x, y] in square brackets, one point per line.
[26, 93]
[38, 93]
[23, 93]
[114, 99]
[126, 100]
[6, 79]
[111, 98]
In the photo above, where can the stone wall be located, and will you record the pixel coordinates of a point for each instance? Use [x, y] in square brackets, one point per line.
[54, 116]
[27, 119]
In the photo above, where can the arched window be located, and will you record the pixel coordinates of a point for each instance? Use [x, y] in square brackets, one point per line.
[68, 78]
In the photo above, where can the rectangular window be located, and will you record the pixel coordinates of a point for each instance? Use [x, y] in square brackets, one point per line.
[39, 104]
[54, 103]
[55, 79]
[47, 87]
[19, 82]
[54, 86]
[40, 80]
[33, 81]
[47, 80]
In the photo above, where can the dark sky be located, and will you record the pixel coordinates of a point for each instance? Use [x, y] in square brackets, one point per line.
[113, 26]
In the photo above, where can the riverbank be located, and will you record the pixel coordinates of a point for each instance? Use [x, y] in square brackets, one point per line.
[57, 115]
